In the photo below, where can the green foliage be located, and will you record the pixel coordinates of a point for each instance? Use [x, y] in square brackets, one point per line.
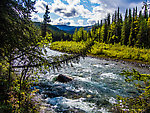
[105, 50]
[148, 24]
[80, 35]
[133, 31]
[141, 102]
[45, 21]
[68, 46]
[121, 52]
[22, 98]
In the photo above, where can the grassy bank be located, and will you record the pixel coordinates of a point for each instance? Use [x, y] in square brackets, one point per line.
[105, 50]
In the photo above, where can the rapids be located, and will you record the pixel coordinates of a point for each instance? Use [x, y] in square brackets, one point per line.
[95, 86]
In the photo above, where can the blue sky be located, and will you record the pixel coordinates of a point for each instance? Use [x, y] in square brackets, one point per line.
[81, 12]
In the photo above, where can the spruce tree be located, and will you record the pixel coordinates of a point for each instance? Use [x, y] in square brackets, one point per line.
[75, 35]
[101, 23]
[118, 25]
[104, 31]
[108, 19]
[145, 7]
[29, 7]
[112, 33]
[124, 31]
[45, 21]
[142, 38]
[130, 28]
[148, 31]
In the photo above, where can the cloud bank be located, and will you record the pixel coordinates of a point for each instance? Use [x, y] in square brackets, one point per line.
[79, 12]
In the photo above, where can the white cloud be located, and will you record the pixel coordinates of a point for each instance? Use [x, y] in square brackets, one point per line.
[98, 13]
[35, 17]
[63, 10]
[91, 21]
[80, 22]
[109, 6]
[77, 8]
[73, 2]
[96, 1]
[40, 6]
[82, 11]
[133, 5]
[68, 11]
[62, 21]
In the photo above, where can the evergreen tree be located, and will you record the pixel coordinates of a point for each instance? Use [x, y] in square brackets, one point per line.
[29, 7]
[131, 36]
[101, 23]
[81, 34]
[98, 34]
[75, 36]
[104, 32]
[145, 7]
[112, 32]
[118, 15]
[130, 28]
[142, 38]
[136, 11]
[130, 17]
[148, 31]
[115, 17]
[108, 19]
[134, 29]
[118, 26]
[121, 18]
[108, 27]
[45, 21]
[124, 31]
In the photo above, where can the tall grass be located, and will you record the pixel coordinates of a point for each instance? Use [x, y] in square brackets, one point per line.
[105, 50]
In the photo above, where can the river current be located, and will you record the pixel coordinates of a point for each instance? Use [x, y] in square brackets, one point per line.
[95, 86]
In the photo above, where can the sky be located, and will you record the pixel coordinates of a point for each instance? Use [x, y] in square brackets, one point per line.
[81, 12]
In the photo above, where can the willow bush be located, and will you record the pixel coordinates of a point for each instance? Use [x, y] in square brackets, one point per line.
[139, 103]
[105, 50]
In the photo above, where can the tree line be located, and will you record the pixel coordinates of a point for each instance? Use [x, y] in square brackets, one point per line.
[133, 30]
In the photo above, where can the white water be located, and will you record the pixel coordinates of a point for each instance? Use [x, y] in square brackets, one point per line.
[93, 89]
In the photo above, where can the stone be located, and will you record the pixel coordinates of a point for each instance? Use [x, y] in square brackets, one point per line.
[55, 91]
[63, 78]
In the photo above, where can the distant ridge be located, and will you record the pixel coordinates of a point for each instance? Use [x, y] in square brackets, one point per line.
[71, 29]
[64, 28]
[51, 27]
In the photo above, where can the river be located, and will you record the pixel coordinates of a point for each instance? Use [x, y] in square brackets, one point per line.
[95, 86]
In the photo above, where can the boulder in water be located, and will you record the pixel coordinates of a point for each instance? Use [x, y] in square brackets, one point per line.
[63, 78]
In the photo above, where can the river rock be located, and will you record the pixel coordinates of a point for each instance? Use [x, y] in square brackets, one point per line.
[63, 78]
[55, 91]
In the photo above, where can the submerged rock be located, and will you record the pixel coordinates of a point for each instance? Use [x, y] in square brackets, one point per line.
[55, 91]
[63, 78]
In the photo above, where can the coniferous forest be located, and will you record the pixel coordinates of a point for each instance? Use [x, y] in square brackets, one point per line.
[24, 58]
[133, 30]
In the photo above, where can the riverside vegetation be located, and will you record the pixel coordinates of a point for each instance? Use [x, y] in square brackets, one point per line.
[22, 50]
[140, 103]
[105, 50]
[128, 40]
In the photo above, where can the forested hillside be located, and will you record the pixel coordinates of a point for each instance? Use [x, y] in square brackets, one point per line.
[71, 29]
[57, 34]
[133, 30]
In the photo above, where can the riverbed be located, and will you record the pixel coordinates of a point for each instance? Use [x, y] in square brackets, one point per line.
[95, 86]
